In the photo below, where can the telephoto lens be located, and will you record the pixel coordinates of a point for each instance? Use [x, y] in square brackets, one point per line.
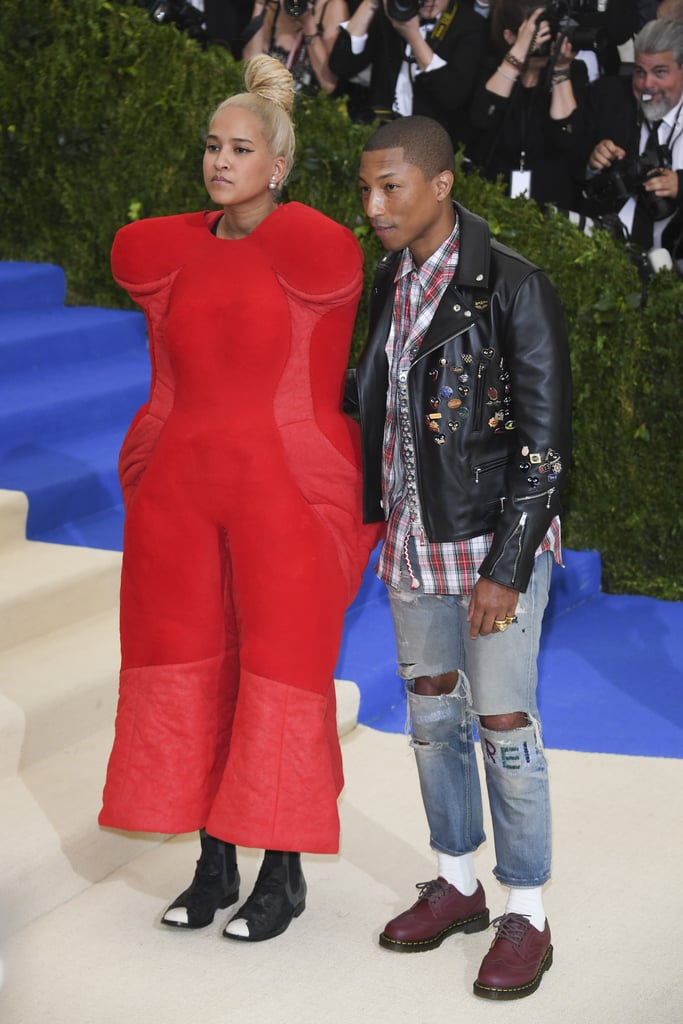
[403, 10]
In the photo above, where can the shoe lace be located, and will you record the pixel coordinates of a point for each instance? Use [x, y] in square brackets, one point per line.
[432, 890]
[512, 927]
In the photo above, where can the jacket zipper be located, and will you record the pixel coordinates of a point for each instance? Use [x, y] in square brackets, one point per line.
[416, 447]
[479, 397]
[520, 529]
[543, 494]
[488, 466]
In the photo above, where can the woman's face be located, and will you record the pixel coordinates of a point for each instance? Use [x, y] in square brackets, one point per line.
[238, 166]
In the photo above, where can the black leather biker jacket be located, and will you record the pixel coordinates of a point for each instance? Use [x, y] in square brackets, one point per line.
[489, 403]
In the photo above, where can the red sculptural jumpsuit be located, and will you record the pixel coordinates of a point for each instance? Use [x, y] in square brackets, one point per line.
[243, 540]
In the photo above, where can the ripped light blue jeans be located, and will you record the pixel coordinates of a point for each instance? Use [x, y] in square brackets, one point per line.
[498, 675]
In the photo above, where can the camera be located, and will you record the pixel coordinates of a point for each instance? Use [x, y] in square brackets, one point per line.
[611, 188]
[180, 13]
[574, 20]
[403, 10]
[296, 8]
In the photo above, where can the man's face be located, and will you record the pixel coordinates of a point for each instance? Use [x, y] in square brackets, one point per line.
[405, 208]
[429, 9]
[432, 8]
[657, 83]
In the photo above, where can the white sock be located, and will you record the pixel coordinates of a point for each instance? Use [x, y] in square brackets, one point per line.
[459, 871]
[528, 902]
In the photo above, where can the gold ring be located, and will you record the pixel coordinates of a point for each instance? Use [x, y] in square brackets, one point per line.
[501, 625]
[509, 619]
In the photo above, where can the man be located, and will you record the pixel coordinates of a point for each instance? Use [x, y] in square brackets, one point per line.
[464, 397]
[641, 116]
[426, 64]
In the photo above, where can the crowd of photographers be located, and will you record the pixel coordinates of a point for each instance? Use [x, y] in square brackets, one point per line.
[575, 103]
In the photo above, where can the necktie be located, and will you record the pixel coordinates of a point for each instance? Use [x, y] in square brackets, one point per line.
[652, 142]
[641, 232]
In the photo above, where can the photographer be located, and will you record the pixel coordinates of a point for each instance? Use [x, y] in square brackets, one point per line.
[207, 21]
[632, 152]
[608, 24]
[300, 34]
[423, 57]
[528, 104]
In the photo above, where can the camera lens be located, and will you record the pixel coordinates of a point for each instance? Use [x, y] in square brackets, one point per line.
[403, 10]
[160, 12]
[296, 8]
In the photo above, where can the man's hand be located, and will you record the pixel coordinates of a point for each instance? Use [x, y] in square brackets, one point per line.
[490, 602]
[663, 183]
[604, 155]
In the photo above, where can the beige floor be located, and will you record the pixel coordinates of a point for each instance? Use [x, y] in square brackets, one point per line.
[615, 905]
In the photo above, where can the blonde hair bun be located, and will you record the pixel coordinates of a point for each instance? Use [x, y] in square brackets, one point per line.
[267, 77]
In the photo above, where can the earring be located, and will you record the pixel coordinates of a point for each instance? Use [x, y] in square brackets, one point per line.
[272, 185]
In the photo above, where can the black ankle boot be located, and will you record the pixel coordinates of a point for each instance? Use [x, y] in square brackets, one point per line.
[278, 896]
[216, 883]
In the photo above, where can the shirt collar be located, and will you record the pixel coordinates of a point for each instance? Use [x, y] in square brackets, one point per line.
[445, 252]
[673, 115]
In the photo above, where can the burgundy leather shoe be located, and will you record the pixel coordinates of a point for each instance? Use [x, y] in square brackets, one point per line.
[439, 911]
[514, 965]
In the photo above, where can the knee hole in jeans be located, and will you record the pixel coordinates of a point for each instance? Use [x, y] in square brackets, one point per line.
[505, 723]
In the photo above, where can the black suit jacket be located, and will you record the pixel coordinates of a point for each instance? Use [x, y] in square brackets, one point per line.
[500, 326]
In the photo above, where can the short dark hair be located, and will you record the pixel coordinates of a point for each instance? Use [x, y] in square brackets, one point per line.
[425, 143]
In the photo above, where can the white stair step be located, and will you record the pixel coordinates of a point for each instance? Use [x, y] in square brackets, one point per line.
[52, 846]
[12, 730]
[64, 684]
[13, 514]
[44, 587]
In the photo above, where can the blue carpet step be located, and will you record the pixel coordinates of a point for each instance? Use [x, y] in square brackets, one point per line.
[33, 341]
[81, 397]
[65, 479]
[72, 379]
[102, 529]
[31, 286]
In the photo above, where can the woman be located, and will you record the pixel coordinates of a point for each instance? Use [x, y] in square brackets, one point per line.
[243, 542]
[301, 40]
[527, 108]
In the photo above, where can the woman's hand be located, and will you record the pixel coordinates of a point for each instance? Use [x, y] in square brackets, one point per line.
[564, 55]
[530, 35]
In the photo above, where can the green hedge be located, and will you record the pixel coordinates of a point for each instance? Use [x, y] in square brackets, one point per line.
[102, 114]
